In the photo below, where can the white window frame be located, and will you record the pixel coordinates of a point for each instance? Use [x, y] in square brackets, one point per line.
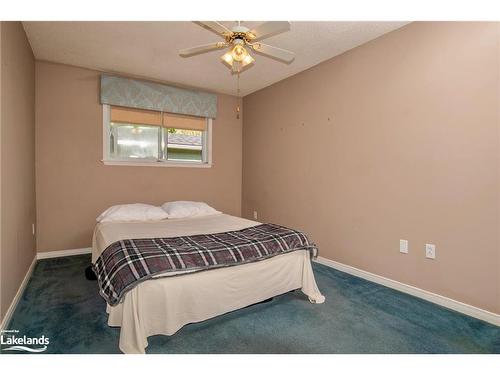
[206, 148]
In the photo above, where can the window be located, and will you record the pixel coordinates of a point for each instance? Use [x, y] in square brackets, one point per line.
[140, 137]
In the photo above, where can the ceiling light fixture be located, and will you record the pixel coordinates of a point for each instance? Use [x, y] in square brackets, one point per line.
[239, 52]
[240, 41]
[237, 59]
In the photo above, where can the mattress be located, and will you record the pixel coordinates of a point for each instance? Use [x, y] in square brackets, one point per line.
[163, 305]
[107, 233]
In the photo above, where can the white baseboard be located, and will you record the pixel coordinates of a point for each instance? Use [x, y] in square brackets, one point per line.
[452, 304]
[63, 253]
[17, 297]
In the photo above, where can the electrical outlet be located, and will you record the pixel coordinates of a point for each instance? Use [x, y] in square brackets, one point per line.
[33, 228]
[403, 246]
[430, 251]
[255, 216]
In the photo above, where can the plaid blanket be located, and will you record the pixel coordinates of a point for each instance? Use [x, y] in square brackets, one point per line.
[125, 263]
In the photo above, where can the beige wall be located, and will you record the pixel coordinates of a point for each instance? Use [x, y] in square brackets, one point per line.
[398, 138]
[1, 308]
[72, 184]
[17, 159]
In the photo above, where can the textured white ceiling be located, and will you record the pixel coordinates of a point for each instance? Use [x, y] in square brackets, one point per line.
[150, 49]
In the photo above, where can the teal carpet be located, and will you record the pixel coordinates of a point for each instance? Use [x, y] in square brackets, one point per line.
[357, 317]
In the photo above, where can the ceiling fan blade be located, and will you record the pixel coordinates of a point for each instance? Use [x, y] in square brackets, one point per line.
[201, 49]
[215, 27]
[274, 52]
[268, 29]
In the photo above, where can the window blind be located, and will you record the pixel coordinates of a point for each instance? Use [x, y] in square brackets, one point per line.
[144, 117]
[135, 116]
[184, 122]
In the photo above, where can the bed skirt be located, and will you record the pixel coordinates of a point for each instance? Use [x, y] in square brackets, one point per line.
[162, 306]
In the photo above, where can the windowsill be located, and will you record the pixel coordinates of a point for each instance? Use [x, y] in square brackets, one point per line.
[182, 164]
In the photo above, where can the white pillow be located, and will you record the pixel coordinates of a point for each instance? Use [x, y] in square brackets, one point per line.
[180, 209]
[132, 212]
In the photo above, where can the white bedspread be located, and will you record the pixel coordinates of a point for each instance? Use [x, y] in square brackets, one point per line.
[163, 305]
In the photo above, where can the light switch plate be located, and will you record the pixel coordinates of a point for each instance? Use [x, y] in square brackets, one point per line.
[430, 251]
[403, 246]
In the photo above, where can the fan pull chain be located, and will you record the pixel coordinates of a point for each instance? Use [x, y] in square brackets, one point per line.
[238, 95]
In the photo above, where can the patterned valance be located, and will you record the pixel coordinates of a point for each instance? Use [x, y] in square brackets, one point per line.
[134, 93]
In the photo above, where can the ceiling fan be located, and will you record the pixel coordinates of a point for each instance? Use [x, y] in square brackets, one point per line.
[240, 40]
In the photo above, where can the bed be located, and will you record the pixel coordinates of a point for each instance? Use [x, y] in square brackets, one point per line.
[163, 305]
